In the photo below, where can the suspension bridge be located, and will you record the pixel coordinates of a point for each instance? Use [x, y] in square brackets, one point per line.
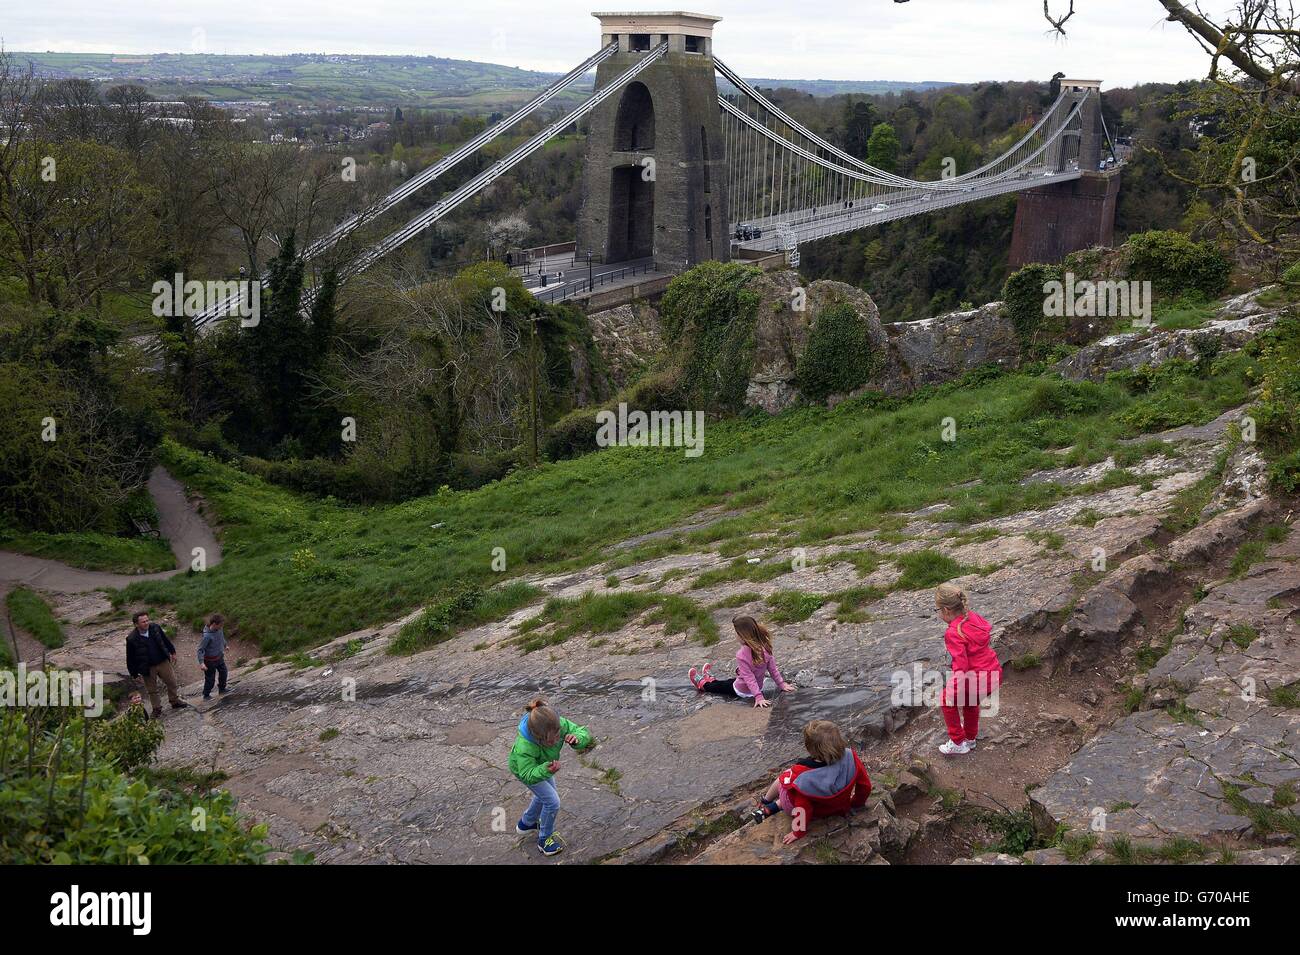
[687, 162]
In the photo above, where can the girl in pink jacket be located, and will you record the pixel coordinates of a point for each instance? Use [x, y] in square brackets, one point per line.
[754, 661]
[976, 671]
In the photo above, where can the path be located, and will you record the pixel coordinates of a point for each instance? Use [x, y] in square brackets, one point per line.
[178, 521]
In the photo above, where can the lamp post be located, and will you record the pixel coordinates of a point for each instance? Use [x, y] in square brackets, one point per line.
[591, 282]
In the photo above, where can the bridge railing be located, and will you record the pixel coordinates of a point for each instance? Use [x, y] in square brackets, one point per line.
[583, 286]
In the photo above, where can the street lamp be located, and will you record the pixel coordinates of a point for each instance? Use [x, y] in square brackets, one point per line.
[590, 280]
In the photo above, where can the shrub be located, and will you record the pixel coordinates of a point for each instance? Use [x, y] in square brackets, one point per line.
[838, 356]
[1175, 265]
[1023, 303]
[64, 799]
[708, 316]
[130, 741]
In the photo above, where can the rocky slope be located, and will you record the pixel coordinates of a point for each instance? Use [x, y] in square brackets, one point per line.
[362, 756]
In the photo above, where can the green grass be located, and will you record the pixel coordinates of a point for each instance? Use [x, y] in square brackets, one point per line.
[792, 606]
[854, 468]
[31, 614]
[469, 608]
[90, 551]
[681, 614]
[927, 568]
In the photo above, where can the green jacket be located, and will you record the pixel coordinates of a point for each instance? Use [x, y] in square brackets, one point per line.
[529, 759]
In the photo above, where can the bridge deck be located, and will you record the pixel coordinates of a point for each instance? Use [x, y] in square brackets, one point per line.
[806, 225]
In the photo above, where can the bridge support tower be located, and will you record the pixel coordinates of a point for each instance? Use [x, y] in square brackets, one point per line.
[1053, 221]
[656, 169]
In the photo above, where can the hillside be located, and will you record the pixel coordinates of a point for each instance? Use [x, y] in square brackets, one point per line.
[624, 567]
[328, 79]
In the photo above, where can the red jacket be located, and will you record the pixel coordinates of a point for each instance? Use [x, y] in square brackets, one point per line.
[826, 790]
[967, 640]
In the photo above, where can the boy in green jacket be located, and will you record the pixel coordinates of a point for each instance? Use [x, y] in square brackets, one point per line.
[534, 759]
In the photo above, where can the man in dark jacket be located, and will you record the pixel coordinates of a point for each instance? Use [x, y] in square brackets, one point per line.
[150, 656]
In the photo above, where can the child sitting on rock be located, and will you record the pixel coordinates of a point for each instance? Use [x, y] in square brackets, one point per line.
[534, 759]
[830, 782]
[976, 670]
[754, 661]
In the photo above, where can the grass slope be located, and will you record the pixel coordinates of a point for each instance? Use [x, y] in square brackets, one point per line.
[32, 615]
[299, 571]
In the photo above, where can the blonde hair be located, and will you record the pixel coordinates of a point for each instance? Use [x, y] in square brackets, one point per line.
[753, 635]
[951, 597]
[824, 741]
[543, 722]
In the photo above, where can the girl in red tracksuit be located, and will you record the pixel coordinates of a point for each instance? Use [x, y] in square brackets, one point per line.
[976, 671]
[831, 782]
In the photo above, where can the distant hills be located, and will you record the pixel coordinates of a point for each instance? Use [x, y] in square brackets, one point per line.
[342, 80]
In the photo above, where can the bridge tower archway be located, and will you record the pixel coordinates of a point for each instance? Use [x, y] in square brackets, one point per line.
[655, 171]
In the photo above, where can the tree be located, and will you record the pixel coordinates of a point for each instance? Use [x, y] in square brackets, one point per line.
[883, 148]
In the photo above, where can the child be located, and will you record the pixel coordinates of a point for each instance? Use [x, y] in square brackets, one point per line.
[534, 760]
[212, 655]
[754, 661]
[831, 782]
[976, 671]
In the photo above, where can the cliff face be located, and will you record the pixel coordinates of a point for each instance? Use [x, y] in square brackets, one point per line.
[907, 354]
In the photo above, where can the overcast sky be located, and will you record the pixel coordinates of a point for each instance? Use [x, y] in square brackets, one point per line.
[1118, 41]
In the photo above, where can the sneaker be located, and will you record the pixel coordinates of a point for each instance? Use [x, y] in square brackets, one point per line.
[954, 749]
[207, 696]
[695, 677]
[552, 845]
[521, 828]
[708, 671]
[156, 715]
[757, 816]
[223, 691]
[179, 705]
[970, 743]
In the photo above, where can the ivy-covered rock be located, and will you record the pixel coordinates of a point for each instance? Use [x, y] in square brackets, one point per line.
[839, 355]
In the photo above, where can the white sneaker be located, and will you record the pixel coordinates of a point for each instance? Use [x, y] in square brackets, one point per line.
[970, 743]
[954, 749]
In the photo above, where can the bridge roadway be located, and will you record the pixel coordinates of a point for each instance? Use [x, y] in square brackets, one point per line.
[806, 225]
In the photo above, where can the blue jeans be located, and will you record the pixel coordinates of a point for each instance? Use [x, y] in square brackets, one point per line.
[543, 809]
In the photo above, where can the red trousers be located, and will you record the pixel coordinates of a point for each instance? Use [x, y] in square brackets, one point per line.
[961, 702]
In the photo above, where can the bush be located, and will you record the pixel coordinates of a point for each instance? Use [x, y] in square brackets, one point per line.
[708, 316]
[128, 742]
[1175, 265]
[1277, 411]
[1023, 301]
[52, 811]
[838, 357]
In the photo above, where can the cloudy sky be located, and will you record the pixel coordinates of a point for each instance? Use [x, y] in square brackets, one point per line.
[1118, 41]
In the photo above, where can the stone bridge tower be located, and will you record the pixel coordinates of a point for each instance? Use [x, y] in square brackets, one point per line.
[656, 173]
[1053, 221]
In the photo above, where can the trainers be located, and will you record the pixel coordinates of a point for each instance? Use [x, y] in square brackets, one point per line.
[552, 845]
[521, 828]
[695, 678]
[207, 696]
[156, 715]
[179, 705]
[970, 743]
[954, 749]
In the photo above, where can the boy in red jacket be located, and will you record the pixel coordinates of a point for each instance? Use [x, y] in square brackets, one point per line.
[976, 670]
[831, 782]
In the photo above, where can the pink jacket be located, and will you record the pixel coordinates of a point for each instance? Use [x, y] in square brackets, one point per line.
[749, 675]
[967, 639]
